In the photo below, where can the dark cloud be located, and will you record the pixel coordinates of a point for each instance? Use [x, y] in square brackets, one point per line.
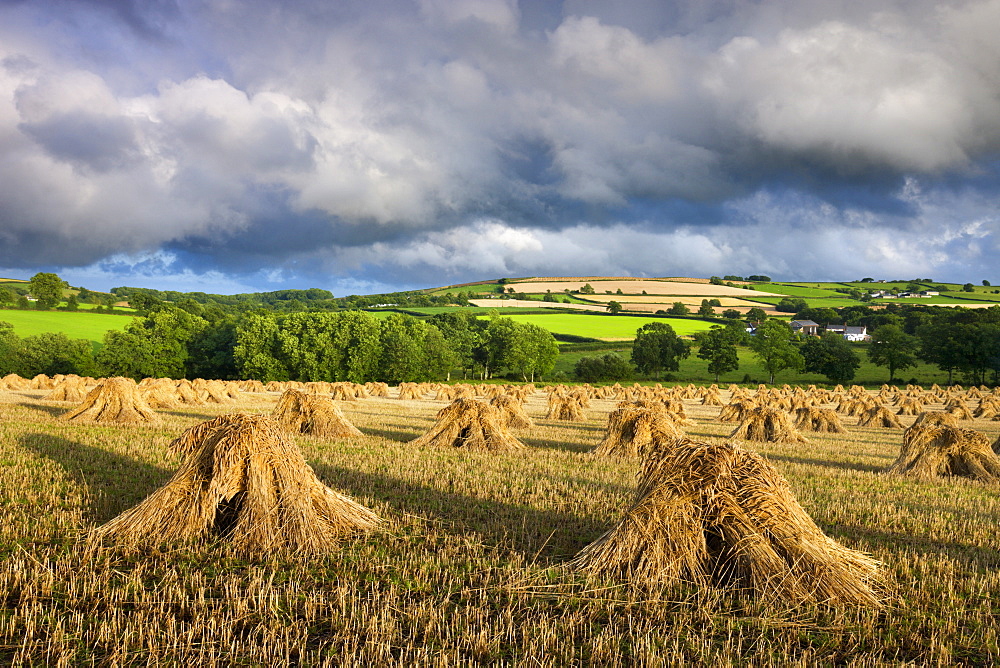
[399, 142]
[86, 140]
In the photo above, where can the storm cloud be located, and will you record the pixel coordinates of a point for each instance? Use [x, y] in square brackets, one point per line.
[381, 145]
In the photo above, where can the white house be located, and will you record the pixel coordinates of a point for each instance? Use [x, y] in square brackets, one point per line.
[856, 333]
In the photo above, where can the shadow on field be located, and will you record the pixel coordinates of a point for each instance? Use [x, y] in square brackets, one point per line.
[552, 536]
[391, 435]
[565, 446]
[908, 542]
[868, 468]
[54, 411]
[115, 483]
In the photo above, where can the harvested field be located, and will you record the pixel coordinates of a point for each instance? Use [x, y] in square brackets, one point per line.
[470, 566]
[529, 303]
[635, 286]
[631, 300]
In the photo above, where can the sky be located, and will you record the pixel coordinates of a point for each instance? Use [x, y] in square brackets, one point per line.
[367, 146]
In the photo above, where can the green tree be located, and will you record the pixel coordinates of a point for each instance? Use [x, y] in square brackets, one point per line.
[593, 369]
[941, 345]
[587, 289]
[832, 356]
[257, 353]
[968, 287]
[536, 352]
[756, 314]
[893, 348]
[47, 289]
[438, 356]
[463, 333]
[706, 309]
[679, 308]
[719, 349]
[614, 307]
[154, 346]
[791, 305]
[773, 347]
[212, 354]
[402, 355]
[731, 314]
[11, 351]
[658, 348]
[53, 353]
[7, 297]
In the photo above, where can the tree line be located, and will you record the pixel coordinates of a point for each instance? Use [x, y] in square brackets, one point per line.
[307, 346]
[963, 342]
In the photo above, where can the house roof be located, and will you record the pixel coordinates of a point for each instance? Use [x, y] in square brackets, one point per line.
[804, 323]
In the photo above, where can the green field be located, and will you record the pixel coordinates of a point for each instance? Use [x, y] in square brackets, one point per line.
[606, 327]
[89, 326]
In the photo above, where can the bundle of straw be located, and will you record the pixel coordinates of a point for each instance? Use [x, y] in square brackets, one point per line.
[242, 481]
[718, 514]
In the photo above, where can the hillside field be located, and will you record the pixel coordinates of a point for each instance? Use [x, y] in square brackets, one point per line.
[78, 325]
[605, 327]
[470, 566]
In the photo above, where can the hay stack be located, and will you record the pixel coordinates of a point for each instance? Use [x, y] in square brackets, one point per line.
[251, 386]
[821, 420]
[930, 451]
[768, 424]
[565, 407]
[711, 397]
[313, 415]
[14, 382]
[471, 424]
[244, 481]
[114, 401]
[737, 411]
[879, 416]
[41, 382]
[410, 391]
[959, 409]
[634, 427]
[910, 406]
[377, 389]
[212, 391]
[512, 412]
[186, 393]
[71, 388]
[721, 515]
[159, 393]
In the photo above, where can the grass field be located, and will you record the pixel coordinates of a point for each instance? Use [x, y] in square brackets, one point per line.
[695, 370]
[78, 325]
[605, 327]
[470, 565]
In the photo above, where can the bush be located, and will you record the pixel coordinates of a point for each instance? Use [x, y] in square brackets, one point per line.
[611, 366]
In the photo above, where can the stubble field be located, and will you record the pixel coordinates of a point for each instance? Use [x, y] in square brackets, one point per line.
[470, 565]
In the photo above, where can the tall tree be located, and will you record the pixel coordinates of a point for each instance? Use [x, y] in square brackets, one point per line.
[535, 351]
[11, 351]
[658, 348]
[893, 348]
[832, 356]
[47, 289]
[257, 352]
[772, 345]
[53, 353]
[153, 346]
[717, 346]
